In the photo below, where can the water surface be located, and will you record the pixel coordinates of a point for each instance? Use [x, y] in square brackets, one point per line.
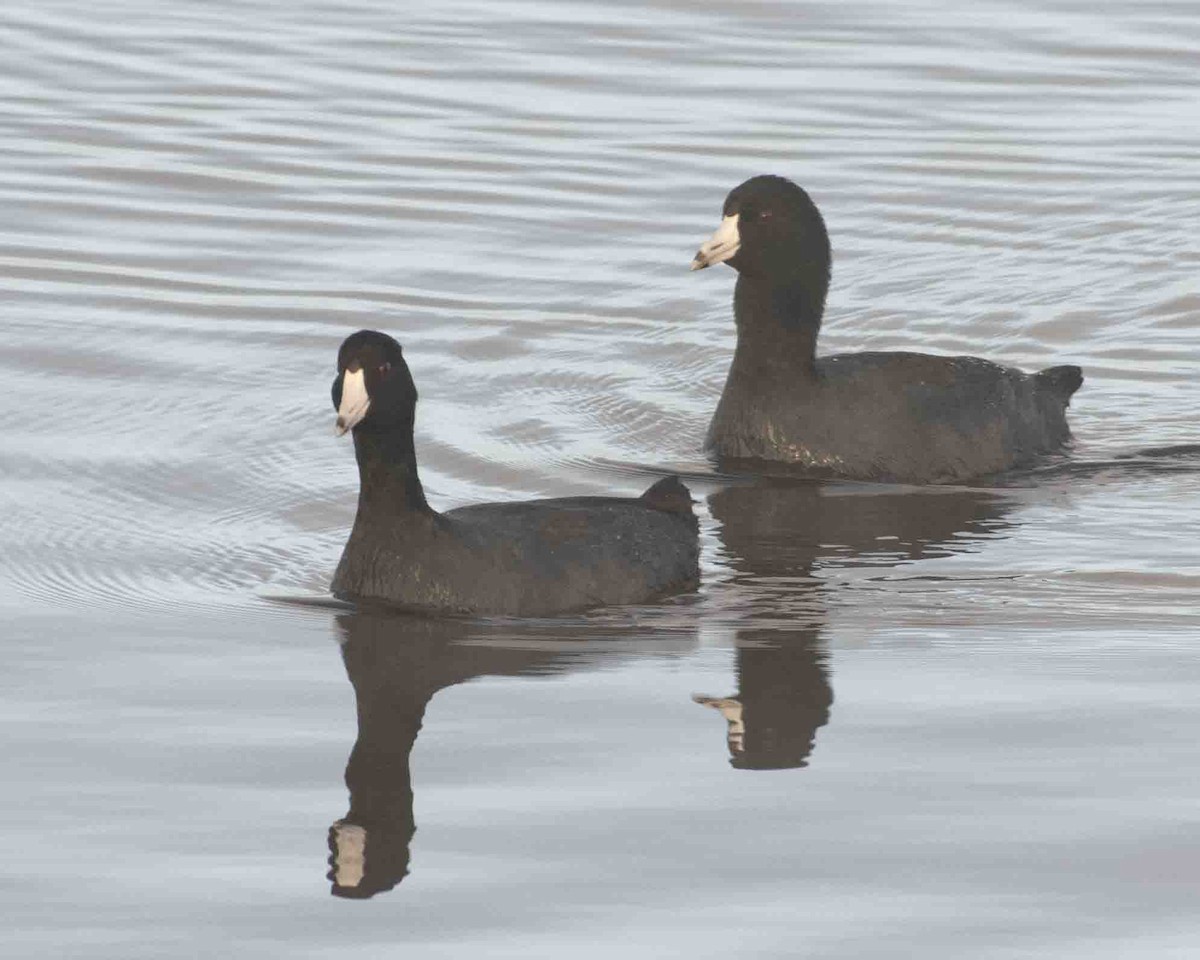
[892, 722]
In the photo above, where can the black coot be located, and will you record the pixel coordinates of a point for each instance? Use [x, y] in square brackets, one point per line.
[525, 559]
[906, 417]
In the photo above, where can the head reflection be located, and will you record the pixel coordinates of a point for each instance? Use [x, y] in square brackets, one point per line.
[783, 697]
[778, 535]
[396, 664]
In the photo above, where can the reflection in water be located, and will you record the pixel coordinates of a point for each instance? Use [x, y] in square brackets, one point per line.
[783, 696]
[776, 534]
[368, 847]
[779, 528]
[396, 664]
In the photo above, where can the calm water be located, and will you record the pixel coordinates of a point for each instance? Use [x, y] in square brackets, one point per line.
[893, 722]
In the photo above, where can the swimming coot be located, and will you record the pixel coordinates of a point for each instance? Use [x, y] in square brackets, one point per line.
[906, 417]
[527, 559]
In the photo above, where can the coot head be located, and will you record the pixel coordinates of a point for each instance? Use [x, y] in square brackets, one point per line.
[373, 389]
[769, 228]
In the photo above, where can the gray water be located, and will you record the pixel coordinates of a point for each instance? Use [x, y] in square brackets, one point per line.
[979, 704]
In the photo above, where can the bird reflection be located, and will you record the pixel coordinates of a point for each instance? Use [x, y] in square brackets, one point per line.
[777, 535]
[396, 664]
[779, 528]
[783, 697]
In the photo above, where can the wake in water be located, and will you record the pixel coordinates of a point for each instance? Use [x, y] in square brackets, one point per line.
[1153, 461]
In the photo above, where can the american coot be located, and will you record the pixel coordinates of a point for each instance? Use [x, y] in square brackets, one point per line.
[905, 417]
[527, 559]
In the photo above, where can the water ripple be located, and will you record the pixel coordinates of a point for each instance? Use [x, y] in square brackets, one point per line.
[198, 212]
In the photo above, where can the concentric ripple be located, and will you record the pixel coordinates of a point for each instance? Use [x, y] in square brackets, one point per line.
[196, 213]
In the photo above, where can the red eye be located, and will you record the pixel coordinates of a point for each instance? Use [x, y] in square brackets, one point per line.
[385, 368]
[765, 215]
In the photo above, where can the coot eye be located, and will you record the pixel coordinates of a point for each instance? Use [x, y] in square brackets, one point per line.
[764, 215]
[385, 368]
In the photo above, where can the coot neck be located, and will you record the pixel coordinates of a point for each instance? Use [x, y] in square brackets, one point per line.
[387, 473]
[778, 320]
[390, 707]
[377, 773]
